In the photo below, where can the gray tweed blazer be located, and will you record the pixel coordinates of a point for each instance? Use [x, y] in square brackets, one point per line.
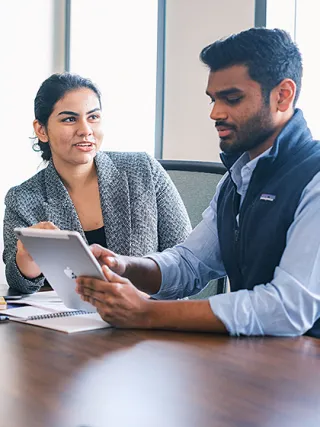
[141, 208]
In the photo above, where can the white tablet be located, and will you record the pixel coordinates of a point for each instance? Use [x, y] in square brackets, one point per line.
[62, 256]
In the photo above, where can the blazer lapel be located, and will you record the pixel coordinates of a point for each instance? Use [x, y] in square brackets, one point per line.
[59, 207]
[115, 204]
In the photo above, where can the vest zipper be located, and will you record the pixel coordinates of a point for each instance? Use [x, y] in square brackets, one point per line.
[236, 212]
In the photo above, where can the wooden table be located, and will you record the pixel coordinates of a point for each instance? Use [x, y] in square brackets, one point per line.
[128, 378]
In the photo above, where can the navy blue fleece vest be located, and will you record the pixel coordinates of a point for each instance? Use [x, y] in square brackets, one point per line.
[252, 250]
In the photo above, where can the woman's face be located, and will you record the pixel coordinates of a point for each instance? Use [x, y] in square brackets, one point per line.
[74, 128]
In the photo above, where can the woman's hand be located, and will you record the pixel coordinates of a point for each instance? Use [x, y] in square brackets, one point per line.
[24, 261]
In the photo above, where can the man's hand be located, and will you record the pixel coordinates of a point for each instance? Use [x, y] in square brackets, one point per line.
[117, 263]
[117, 301]
[143, 272]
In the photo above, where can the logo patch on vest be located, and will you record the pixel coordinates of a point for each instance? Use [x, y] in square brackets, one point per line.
[268, 197]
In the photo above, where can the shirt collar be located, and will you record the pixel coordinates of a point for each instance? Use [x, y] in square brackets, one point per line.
[241, 171]
[245, 162]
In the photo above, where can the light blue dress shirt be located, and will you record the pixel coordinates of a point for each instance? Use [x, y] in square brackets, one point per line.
[288, 305]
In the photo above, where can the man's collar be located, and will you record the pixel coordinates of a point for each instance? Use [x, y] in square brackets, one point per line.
[244, 161]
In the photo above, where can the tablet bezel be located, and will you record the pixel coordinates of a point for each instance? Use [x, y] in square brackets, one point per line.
[37, 243]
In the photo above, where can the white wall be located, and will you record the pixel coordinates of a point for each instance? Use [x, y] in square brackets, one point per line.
[30, 52]
[189, 134]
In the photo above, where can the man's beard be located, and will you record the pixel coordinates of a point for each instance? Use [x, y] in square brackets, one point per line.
[252, 133]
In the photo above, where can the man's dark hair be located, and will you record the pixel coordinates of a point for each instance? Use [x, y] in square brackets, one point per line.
[50, 92]
[270, 56]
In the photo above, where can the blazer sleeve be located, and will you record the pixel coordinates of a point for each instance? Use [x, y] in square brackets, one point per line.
[15, 217]
[173, 221]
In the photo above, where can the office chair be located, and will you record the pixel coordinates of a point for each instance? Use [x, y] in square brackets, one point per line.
[196, 182]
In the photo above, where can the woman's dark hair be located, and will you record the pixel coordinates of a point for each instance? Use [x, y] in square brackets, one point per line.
[270, 56]
[50, 92]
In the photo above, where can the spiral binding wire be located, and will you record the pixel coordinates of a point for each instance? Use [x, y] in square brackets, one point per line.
[60, 314]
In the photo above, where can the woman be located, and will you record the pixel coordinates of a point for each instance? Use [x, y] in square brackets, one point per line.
[123, 201]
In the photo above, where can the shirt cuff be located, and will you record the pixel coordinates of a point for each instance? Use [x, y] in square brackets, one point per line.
[234, 309]
[168, 276]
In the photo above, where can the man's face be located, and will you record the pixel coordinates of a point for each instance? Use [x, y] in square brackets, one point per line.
[243, 120]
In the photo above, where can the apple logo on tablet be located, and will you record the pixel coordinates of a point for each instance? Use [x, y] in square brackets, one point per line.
[69, 273]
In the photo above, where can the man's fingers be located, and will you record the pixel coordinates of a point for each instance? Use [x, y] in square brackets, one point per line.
[94, 295]
[103, 310]
[111, 276]
[96, 285]
[110, 261]
[100, 306]
[99, 251]
[109, 258]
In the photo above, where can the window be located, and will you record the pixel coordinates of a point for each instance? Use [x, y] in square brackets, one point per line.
[26, 61]
[114, 43]
[300, 19]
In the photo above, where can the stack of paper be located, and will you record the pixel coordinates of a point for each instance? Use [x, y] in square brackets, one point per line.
[46, 309]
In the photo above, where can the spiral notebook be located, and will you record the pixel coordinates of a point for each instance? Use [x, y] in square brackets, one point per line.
[65, 321]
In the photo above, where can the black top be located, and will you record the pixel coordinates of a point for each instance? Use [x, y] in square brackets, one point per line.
[96, 236]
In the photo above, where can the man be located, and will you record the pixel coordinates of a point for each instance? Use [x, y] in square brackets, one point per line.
[262, 226]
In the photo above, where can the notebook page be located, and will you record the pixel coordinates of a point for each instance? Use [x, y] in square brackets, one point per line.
[71, 324]
[45, 296]
[48, 306]
[47, 300]
[24, 312]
